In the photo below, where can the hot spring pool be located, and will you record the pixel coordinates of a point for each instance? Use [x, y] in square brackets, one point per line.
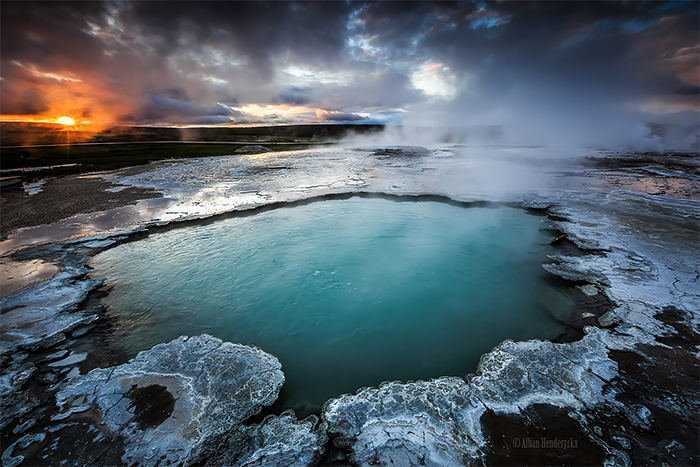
[346, 293]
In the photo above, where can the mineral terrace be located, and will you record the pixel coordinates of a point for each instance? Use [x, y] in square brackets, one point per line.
[625, 393]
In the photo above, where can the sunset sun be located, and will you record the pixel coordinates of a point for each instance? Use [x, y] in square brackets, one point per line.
[66, 121]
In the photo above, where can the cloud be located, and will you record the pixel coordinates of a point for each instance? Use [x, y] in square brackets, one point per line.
[297, 95]
[550, 69]
[165, 109]
[687, 90]
[211, 120]
[21, 101]
[338, 116]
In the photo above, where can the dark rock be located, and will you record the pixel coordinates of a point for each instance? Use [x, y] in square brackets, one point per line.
[15, 402]
[438, 422]
[8, 460]
[38, 316]
[252, 149]
[10, 183]
[168, 400]
[399, 151]
[278, 440]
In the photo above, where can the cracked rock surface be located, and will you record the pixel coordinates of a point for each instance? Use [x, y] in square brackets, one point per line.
[168, 400]
[277, 441]
[37, 317]
[626, 393]
[438, 422]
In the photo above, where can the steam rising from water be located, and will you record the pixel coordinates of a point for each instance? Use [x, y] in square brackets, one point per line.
[564, 130]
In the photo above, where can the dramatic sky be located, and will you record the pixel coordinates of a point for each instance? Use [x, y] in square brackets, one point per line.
[362, 62]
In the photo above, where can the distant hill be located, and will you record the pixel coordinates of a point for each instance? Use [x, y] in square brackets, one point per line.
[19, 134]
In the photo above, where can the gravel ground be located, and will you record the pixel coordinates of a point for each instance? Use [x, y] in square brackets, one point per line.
[64, 197]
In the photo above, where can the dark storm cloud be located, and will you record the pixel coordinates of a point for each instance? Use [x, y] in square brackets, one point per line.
[466, 62]
[339, 116]
[210, 120]
[295, 95]
[21, 101]
[574, 42]
[687, 90]
[48, 32]
[311, 32]
[164, 108]
[548, 65]
[40, 35]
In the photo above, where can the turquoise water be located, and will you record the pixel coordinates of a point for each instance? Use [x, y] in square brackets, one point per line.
[346, 293]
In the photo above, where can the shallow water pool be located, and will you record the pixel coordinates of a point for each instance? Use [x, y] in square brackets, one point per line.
[346, 293]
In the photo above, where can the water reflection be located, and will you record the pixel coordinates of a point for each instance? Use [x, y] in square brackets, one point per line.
[206, 186]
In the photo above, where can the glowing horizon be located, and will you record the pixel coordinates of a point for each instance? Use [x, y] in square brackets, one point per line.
[66, 121]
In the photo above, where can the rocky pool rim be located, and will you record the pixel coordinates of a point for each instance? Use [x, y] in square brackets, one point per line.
[60, 251]
[558, 237]
[65, 253]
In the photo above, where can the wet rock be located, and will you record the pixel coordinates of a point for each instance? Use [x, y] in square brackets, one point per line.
[168, 400]
[278, 440]
[24, 425]
[400, 151]
[608, 319]
[589, 290]
[8, 460]
[540, 435]
[100, 243]
[639, 415]
[49, 378]
[10, 183]
[18, 404]
[15, 375]
[46, 342]
[422, 423]
[517, 374]
[80, 332]
[56, 355]
[70, 360]
[252, 149]
[574, 269]
[623, 442]
[438, 422]
[73, 373]
[14, 401]
[589, 305]
[536, 204]
[37, 316]
[20, 378]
